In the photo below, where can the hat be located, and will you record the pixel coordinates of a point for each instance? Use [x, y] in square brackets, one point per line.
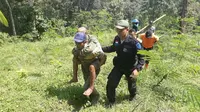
[121, 24]
[135, 21]
[148, 34]
[82, 29]
[80, 37]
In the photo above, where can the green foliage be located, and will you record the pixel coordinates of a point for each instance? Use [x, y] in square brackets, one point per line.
[101, 15]
[96, 21]
[69, 31]
[175, 70]
[3, 20]
[32, 36]
[24, 16]
[60, 29]
[50, 34]
[197, 29]
[36, 76]
[168, 25]
[5, 39]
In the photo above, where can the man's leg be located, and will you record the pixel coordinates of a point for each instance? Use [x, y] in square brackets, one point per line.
[94, 70]
[131, 87]
[146, 64]
[112, 83]
[92, 78]
[148, 59]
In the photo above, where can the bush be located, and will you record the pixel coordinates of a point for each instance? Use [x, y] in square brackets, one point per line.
[5, 38]
[33, 36]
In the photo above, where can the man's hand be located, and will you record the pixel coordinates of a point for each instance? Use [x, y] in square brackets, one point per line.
[134, 74]
[73, 80]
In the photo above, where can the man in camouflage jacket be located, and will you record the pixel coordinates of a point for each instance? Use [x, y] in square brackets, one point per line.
[89, 54]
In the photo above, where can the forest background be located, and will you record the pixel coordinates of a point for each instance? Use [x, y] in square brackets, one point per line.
[37, 39]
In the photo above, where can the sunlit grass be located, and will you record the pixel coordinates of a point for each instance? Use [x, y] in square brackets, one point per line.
[34, 77]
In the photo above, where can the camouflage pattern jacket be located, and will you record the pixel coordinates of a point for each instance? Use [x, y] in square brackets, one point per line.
[91, 51]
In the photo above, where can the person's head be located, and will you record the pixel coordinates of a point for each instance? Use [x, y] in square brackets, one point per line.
[132, 32]
[122, 28]
[153, 28]
[80, 39]
[135, 22]
[148, 34]
[82, 29]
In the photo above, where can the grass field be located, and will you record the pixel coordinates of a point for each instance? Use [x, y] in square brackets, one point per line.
[34, 78]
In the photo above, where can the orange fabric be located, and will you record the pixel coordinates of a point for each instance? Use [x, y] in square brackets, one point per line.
[148, 42]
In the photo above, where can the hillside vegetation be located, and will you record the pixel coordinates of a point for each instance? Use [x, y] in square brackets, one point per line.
[34, 77]
[36, 39]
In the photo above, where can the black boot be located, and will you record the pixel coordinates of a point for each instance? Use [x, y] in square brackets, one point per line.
[132, 97]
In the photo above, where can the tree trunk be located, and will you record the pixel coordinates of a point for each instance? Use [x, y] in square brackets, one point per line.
[11, 17]
[183, 15]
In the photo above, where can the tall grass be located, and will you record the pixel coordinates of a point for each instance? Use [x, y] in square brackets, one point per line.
[34, 77]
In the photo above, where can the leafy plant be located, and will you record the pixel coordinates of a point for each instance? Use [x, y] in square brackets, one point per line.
[3, 20]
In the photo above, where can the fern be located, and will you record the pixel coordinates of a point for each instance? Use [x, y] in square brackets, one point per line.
[190, 95]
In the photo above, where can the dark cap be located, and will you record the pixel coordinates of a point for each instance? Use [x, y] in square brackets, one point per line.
[148, 33]
[80, 37]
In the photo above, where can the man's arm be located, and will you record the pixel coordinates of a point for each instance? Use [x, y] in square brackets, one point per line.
[108, 49]
[111, 48]
[140, 58]
[75, 52]
[156, 38]
[139, 38]
[140, 62]
[138, 67]
[75, 71]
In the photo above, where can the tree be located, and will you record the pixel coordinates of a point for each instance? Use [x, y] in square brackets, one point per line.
[11, 17]
[152, 9]
[183, 15]
[193, 16]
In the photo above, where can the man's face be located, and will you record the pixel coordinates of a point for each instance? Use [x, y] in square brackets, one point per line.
[135, 24]
[80, 45]
[122, 32]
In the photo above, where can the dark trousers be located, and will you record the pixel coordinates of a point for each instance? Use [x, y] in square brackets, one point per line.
[113, 81]
[148, 58]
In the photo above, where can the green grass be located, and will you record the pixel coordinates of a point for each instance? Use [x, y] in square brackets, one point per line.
[34, 77]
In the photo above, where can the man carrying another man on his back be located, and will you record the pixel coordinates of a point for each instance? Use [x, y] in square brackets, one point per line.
[89, 54]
